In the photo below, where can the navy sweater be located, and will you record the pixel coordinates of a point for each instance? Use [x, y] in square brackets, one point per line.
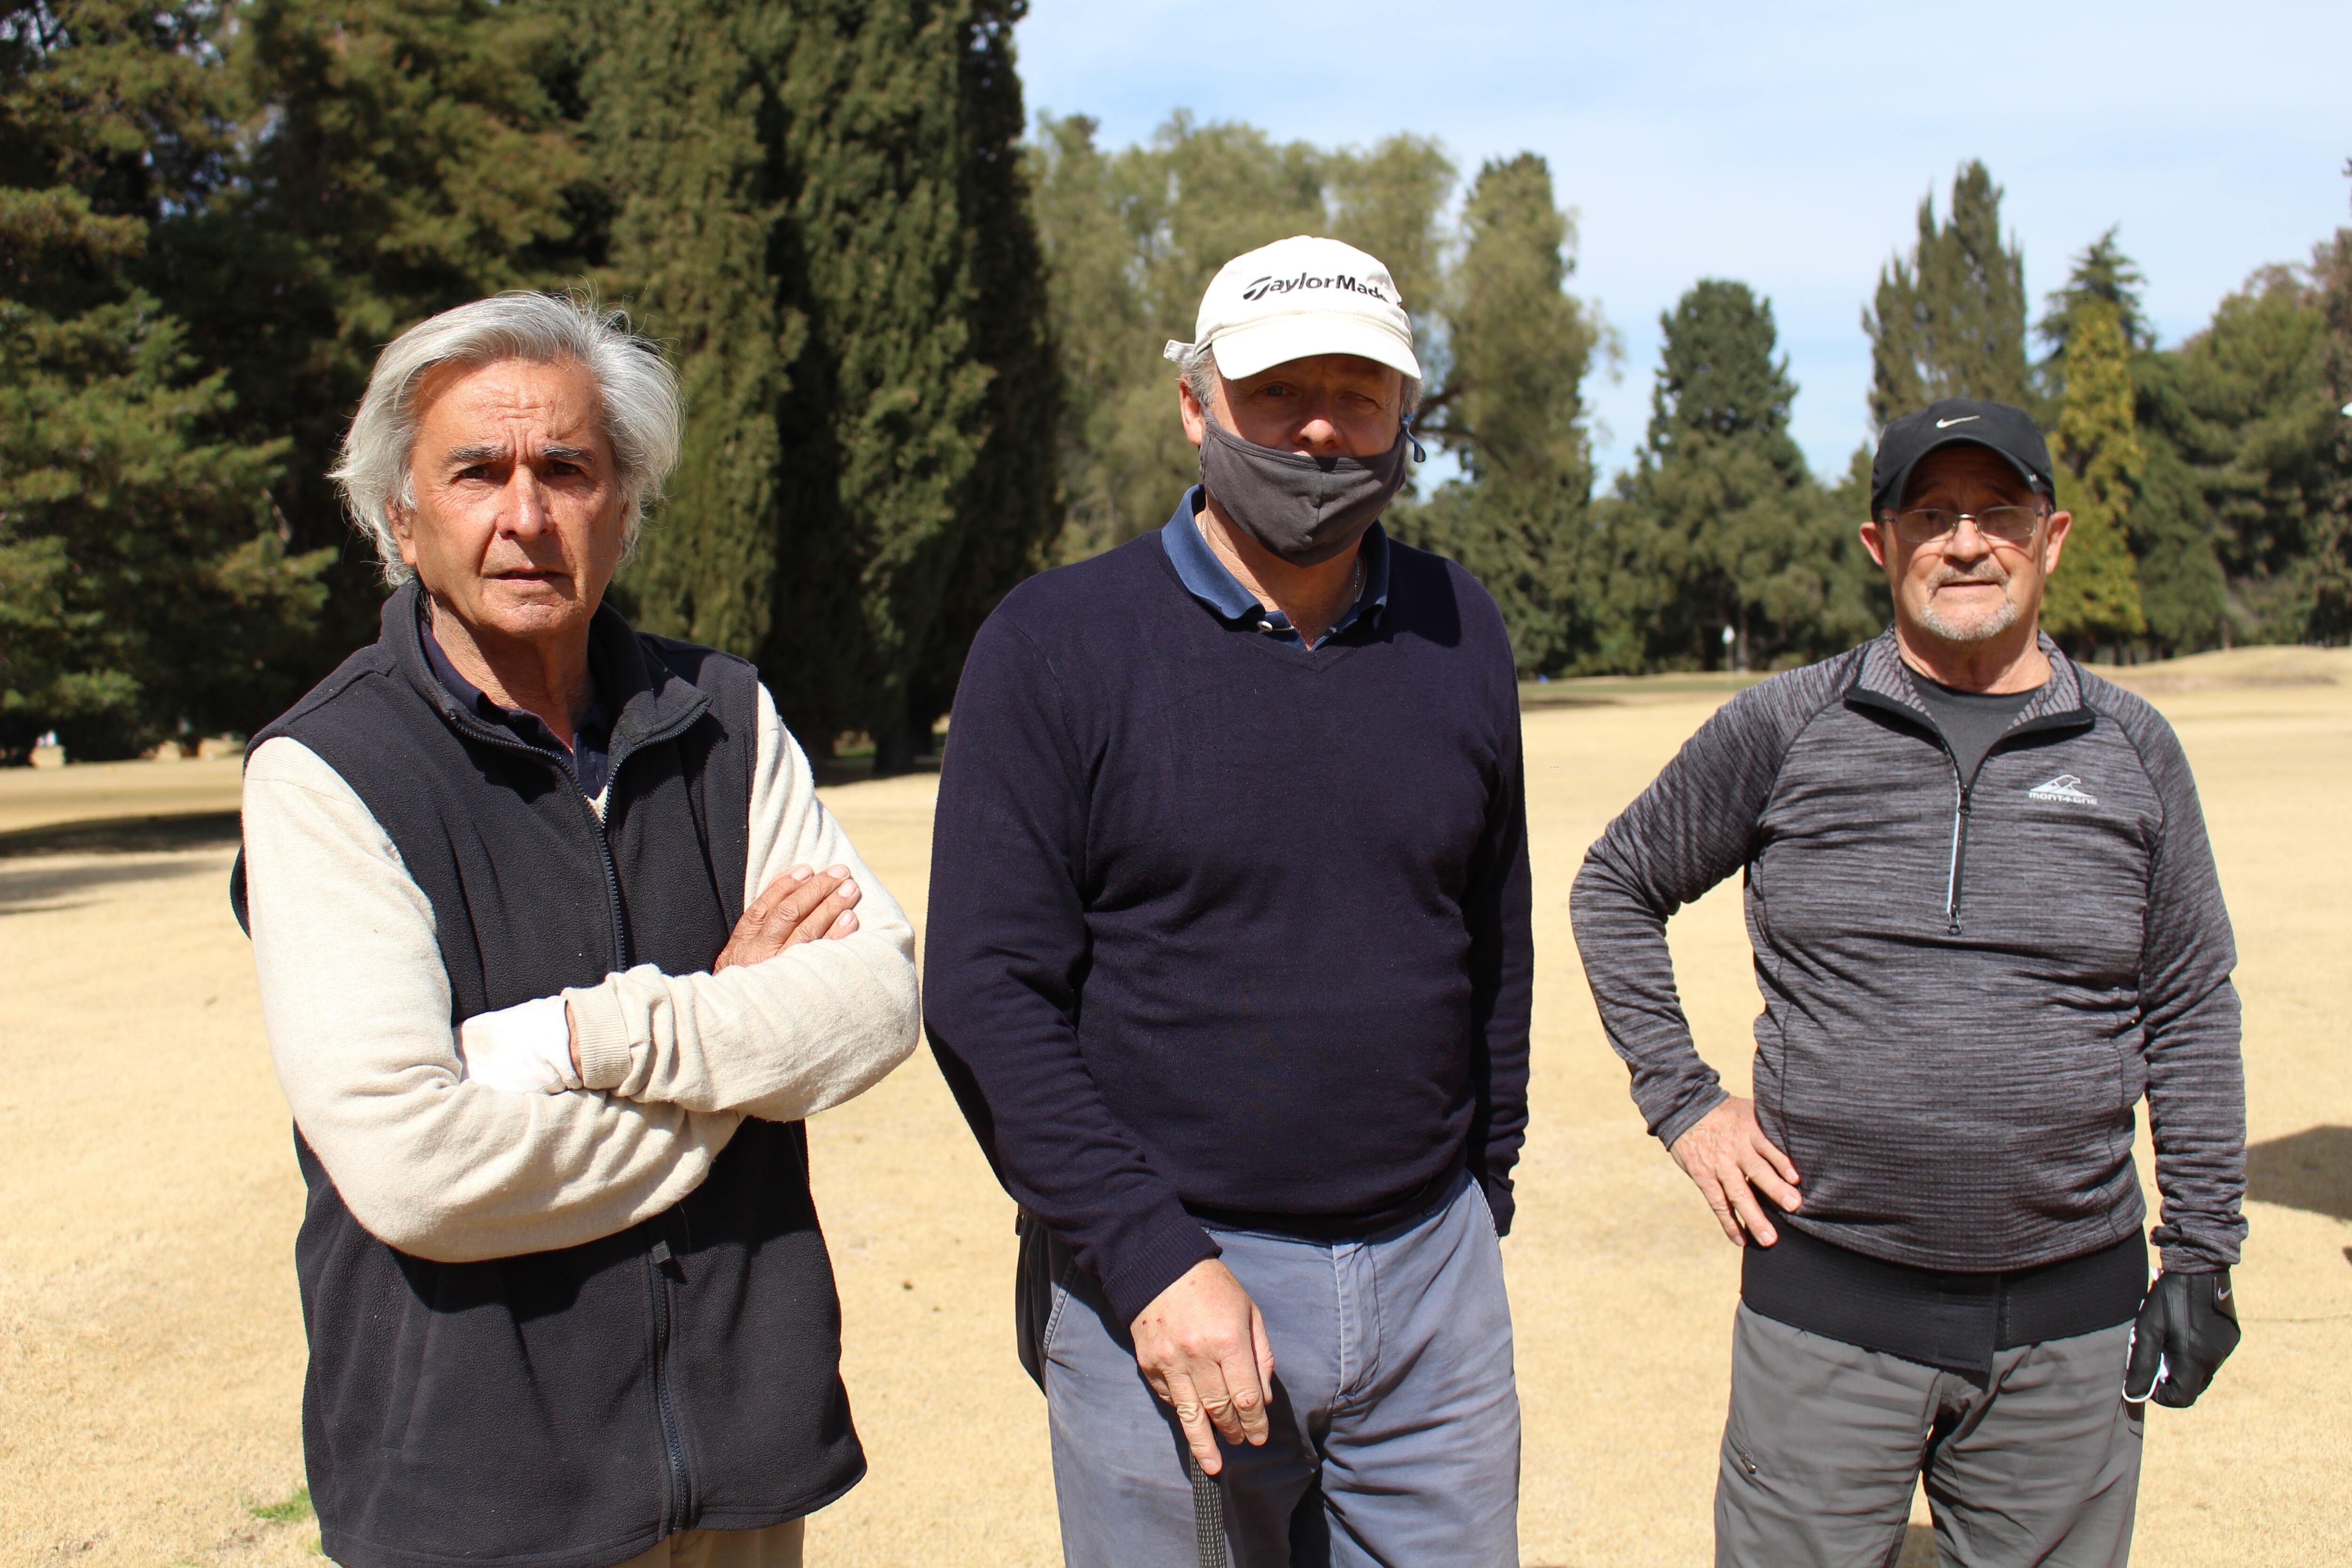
[1221, 927]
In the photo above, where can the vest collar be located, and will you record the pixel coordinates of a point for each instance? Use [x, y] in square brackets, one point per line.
[649, 701]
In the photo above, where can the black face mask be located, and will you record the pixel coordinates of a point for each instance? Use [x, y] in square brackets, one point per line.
[1306, 509]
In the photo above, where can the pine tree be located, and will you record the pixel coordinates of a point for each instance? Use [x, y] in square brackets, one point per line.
[2101, 272]
[144, 588]
[1725, 523]
[2246, 406]
[2327, 562]
[398, 157]
[1949, 320]
[2094, 596]
[1717, 375]
[1513, 410]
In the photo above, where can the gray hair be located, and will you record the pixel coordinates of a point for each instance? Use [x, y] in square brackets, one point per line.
[1197, 365]
[634, 383]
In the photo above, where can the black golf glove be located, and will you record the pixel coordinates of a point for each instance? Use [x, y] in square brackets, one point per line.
[2187, 1326]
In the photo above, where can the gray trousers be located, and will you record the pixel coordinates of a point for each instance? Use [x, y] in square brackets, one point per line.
[1395, 1415]
[2037, 1465]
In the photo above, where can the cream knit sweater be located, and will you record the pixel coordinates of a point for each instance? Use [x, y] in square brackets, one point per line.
[449, 1168]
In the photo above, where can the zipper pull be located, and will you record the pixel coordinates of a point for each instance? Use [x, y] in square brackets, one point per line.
[666, 1261]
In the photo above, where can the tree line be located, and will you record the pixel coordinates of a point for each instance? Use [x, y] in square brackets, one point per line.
[213, 216]
[920, 342]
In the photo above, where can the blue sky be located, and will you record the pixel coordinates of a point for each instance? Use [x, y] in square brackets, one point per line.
[1786, 145]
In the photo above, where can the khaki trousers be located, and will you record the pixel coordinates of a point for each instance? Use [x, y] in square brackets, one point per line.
[778, 1546]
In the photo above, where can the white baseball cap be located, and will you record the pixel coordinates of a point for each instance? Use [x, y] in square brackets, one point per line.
[1299, 297]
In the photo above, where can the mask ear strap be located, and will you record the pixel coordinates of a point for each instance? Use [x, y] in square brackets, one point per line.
[1405, 425]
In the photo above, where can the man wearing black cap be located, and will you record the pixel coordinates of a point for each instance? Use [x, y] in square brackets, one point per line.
[1986, 923]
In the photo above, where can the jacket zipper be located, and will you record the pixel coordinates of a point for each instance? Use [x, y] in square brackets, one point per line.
[1960, 793]
[1963, 790]
[660, 1261]
[664, 1267]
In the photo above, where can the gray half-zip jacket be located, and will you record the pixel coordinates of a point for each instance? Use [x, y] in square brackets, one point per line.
[1968, 983]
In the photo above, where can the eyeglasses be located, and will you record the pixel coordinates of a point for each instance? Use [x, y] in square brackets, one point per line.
[2014, 524]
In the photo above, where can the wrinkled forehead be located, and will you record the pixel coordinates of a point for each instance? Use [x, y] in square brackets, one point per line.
[1966, 474]
[503, 399]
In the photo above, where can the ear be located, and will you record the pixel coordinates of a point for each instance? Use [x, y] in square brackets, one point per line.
[1874, 541]
[2053, 539]
[404, 532]
[1196, 419]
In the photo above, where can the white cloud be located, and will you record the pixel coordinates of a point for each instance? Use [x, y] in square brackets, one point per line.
[1787, 146]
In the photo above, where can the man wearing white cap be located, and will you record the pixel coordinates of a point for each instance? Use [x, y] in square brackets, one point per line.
[1228, 964]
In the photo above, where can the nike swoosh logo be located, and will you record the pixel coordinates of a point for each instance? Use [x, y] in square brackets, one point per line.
[1948, 424]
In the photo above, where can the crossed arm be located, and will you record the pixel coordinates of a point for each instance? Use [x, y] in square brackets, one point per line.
[448, 1167]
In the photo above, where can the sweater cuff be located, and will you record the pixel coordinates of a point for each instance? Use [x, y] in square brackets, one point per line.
[601, 1031]
[1160, 1261]
[1500, 1203]
[1671, 1128]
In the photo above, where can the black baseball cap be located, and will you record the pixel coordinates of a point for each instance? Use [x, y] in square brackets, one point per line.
[1957, 421]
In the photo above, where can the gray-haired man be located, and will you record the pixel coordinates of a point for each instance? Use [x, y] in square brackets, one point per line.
[551, 982]
[1986, 923]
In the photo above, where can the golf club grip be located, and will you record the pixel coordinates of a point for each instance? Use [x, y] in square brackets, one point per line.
[1208, 1515]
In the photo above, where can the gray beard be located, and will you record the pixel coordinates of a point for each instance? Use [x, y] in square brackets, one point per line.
[1980, 631]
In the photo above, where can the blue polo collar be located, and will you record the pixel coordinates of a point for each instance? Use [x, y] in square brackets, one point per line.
[1207, 579]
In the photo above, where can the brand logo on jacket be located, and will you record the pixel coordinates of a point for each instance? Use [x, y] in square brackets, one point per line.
[2066, 788]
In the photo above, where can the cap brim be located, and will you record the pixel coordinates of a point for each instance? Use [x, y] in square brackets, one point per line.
[1900, 484]
[1246, 351]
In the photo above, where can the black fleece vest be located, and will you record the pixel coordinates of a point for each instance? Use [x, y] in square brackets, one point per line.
[567, 1409]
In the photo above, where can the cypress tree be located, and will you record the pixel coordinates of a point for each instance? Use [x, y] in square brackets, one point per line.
[2180, 581]
[1949, 320]
[822, 206]
[2094, 597]
[685, 129]
[1012, 509]
[885, 419]
[144, 585]
[1513, 409]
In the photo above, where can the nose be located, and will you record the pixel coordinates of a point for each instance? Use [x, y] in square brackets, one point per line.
[524, 514]
[1319, 432]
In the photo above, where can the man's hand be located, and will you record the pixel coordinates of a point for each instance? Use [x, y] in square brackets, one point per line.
[1731, 1160]
[2187, 1326]
[1203, 1347]
[800, 906]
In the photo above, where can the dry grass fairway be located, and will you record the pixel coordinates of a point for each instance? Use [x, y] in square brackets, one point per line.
[150, 1348]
